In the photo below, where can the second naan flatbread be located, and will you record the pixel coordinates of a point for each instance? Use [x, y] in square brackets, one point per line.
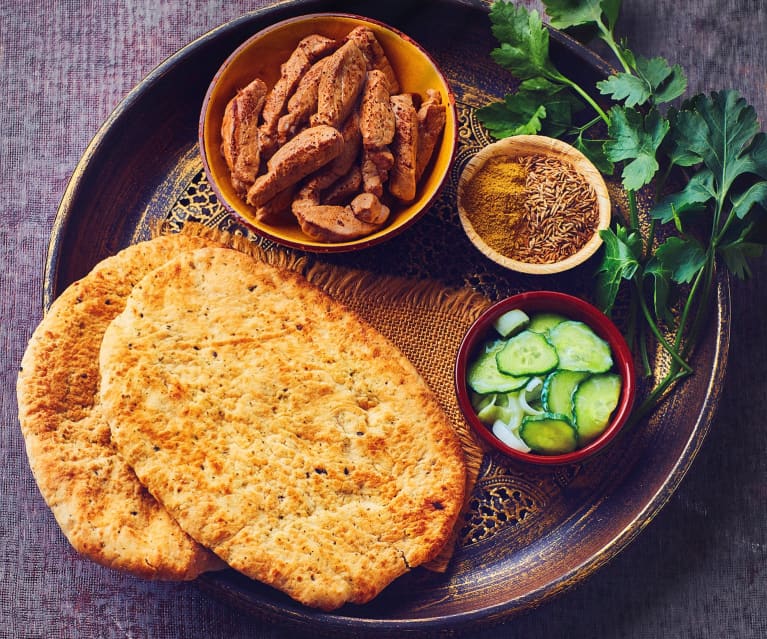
[102, 508]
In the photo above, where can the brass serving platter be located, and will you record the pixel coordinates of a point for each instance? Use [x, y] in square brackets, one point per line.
[530, 533]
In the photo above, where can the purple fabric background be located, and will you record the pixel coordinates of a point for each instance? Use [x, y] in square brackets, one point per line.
[697, 571]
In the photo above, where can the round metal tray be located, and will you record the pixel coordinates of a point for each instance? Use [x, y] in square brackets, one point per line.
[530, 532]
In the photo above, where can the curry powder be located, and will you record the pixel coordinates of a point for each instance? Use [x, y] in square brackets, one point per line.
[494, 201]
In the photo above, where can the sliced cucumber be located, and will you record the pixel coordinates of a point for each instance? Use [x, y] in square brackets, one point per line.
[511, 322]
[548, 434]
[527, 353]
[558, 388]
[483, 375]
[579, 348]
[594, 401]
[542, 322]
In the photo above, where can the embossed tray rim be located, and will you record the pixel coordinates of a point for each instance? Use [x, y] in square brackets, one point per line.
[67, 243]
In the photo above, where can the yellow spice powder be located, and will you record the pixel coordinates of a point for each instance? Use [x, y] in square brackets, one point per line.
[494, 200]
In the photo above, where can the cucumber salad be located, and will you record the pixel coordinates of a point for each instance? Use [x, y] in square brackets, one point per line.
[544, 383]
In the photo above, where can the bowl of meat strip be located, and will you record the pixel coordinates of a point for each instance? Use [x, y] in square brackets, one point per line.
[328, 132]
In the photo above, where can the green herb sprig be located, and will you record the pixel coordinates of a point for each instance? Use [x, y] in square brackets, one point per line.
[714, 141]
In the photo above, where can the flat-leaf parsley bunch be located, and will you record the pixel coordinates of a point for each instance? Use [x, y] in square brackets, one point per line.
[714, 141]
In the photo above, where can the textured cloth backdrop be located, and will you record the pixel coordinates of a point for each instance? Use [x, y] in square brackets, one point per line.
[697, 571]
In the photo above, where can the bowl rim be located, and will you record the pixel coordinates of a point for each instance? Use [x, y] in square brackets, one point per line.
[549, 146]
[574, 308]
[309, 245]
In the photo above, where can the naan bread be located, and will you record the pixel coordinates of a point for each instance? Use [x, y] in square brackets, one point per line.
[279, 429]
[100, 505]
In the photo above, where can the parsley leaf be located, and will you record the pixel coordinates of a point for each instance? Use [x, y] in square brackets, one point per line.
[594, 150]
[631, 89]
[538, 106]
[655, 81]
[611, 9]
[635, 137]
[666, 82]
[570, 13]
[722, 131]
[662, 289]
[622, 252]
[677, 150]
[744, 202]
[678, 260]
[683, 257]
[524, 42]
[696, 194]
[737, 253]
[513, 116]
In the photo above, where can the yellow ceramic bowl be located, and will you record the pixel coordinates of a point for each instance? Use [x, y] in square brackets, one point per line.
[261, 56]
[537, 145]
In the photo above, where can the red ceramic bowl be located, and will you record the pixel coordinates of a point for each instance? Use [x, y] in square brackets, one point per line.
[573, 308]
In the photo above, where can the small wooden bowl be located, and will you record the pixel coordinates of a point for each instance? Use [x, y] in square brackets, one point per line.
[537, 145]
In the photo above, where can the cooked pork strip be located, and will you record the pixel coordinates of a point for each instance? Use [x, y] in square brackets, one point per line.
[239, 134]
[375, 56]
[376, 164]
[376, 115]
[309, 50]
[344, 188]
[368, 208]
[340, 85]
[302, 104]
[334, 223]
[278, 209]
[340, 165]
[304, 154]
[402, 179]
[431, 121]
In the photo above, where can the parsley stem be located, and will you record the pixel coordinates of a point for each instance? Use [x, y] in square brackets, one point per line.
[704, 282]
[718, 234]
[582, 92]
[657, 393]
[699, 296]
[607, 37]
[671, 350]
[687, 307]
[643, 352]
[633, 210]
[675, 372]
[582, 129]
[650, 238]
